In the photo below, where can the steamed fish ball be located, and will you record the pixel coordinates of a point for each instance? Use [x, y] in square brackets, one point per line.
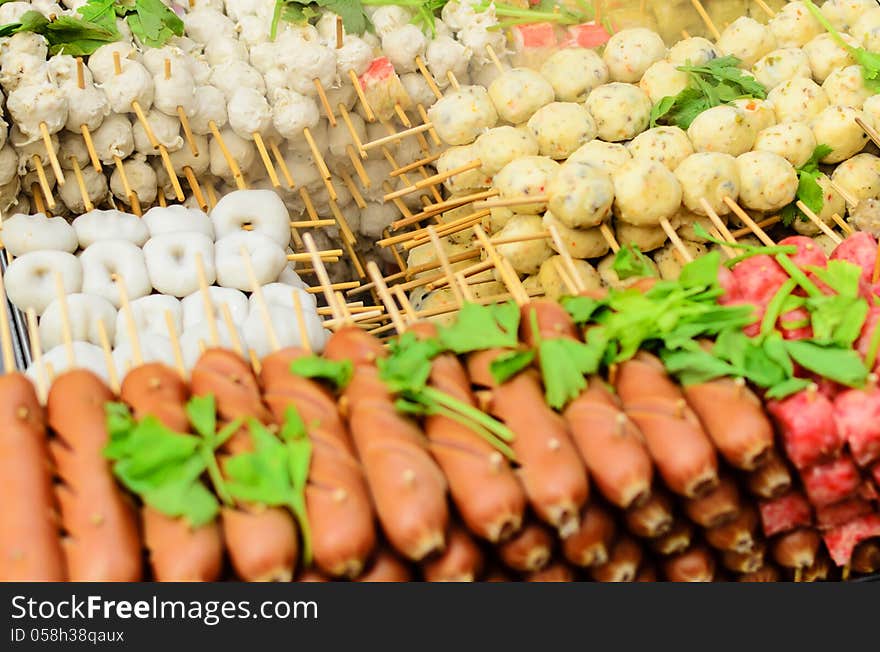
[30, 278]
[96, 187]
[866, 217]
[459, 117]
[193, 306]
[525, 257]
[152, 348]
[781, 65]
[694, 51]
[455, 157]
[844, 14]
[198, 336]
[178, 90]
[293, 112]
[646, 238]
[70, 146]
[526, 177]
[85, 356]
[262, 209]
[133, 84]
[859, 176]
[666, 145]
[826, 54]
[105, 260]
[721, 129]
[286, 329]
[645, 192]
[832, 202]
[497, 218]
[798, 99]
[444, 55]
[553, 285]
[110, 225]
[148, 314]
[267, 259]
[281, 294]
[663, 79]
[793, 141]
[794, 26]
[495, 149]
[630, 52]
[867, 29]
[836, 127]
[84, 313]
[597, 152]
[165, 128]
[760, 114]
[184, 158]
[402, 45]
[669, 259]
[340, 138]
[113, 138]
[748, 40]
[242, 151]
[621, 111]
[376, 217]
[8, 164]
[560, 128]
[249, 112]
[519, 92]
[767, 181]
[709, 176]
[172, 262]
[417, 89]
[160, 220]
[85, 106]
[574, 72]
[355, 54]
[688, 221]
[581, 195]
[33, 104]
[224, 48]
[611, 278]
[210, 106]
[25, 233]
[230, 76]
[580, 243]
[847, 87]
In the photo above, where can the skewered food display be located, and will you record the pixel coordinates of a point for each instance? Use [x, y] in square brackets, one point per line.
[600, 353]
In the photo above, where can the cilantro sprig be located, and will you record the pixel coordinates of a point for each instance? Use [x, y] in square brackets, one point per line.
[336, 372]
[809, 191]
[352, 13]
[869, 61]
[630, 262]
[67, 34]
[718, 81]
[425, 12]
[150, 21]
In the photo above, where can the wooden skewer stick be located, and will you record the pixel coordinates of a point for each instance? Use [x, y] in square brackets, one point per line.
[44, 182]
[385, 296]
[328, 253]
[494, 57]
[749, 222]
[148, 128]
[431, 132]
[160, 196]
[233, 331]
[444, 264]
[359, 168]
[172, 174]
[50, 152]
[359, 90]
[132, 196]
[323, 278]
[321, 163]
[187, 131]
[80, 75]
[349, 125]
[397, 136]
[447, 230]
[434, 179]
[117, 64]
[851, 200]
[6, 330]
[571, 268]
[824, 228]
[90, 147]
[196, 188]
[503, 202]
[207, 303]
[339, 32]
[418, 269]
[267, 162]
[452, 80]
[422, 162]
[408, 309]
[608, 235]
[706, 19]
[676, 241]
[401, 115]
[108, 356]
[430, 210]
[467, 272]
[359, 200]
[301, 322]
[230, 160]
[765, 8]
[281, 163]
[720, 227]
[845, 227]
[80, 181]
[567, 279]
[428, 77]
[869, 130]
[322, 95]
[309, 224]
[541, 235]
[212, 197]
[128, 314]
[38, 200]
[175, 344]
[769, 221]
[511, 280]
[36, 353]
[345, 285]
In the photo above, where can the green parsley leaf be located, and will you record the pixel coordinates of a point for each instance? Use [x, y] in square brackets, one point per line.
[338, 373]
[482, 327]
[582, 309]
[701, 272]
[725, 70]
[787, 388]
[408, 364]
[564, 365]
[154, 23]
[869, 61]
[509, 364]
[843, 366]
[630, 262]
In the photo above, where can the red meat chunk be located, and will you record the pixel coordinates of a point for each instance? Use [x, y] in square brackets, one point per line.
[758, 279]
[831, 482]
[857, 415]
[785, 513]
[806, 422]
[831, 516]
[841, 540]
[861, 249]
[587, 35]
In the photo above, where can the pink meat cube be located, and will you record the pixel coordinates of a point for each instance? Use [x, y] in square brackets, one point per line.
[806, 422]
[857, 415]
[842, 540]
[860, 249]
[831, 516]
[586, 35]
[832, 481]
[785, 513]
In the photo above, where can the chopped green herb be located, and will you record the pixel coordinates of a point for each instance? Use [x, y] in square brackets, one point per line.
[809, 191]
[337, 373]
[509, 364]
[630, 262]
[482, 327]
[869, 61]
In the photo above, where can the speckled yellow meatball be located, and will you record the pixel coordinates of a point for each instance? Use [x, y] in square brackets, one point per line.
[747, 39]
[555, 287]
[518, 93]
[866, 29]
[526, 256]
[794, 26]
[526, 177]
[666, 145]
[758, 113]
[844, 14]
[580, 243]
[621, 111]
[847, 87]
[630, 52]
[645, 192]
[501, 145]
[859, 176]
[581, 195]
[711, 176]
[455, 157]
[793, 141]
[797, 99]
[462, 115]
[608, 155]
[646, 238]
[781, 65]
[825, 54]
[560, 128]
[670, 260]
[574, 72]
[832, 202]
[663, 79]
[611, 278]
[836, 127]
[694, 51]
[767, 181]
[722, 129]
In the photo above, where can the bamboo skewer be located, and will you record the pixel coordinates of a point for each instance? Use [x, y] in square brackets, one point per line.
[132, 196]
[207, 303]
[472, 270]
[175, 344]
[846, 228]
[765, 8]
[267, 162]
[323, 278]
[385, 296]
[90, 147]
[128, 315]
[322, 95]
[415, 164]
[230, 160]
[576, 281]
[196, 189]
[720, 227]
[257, 291]
[359, 200]
[608, 234]
[676, 241]
[418, 269]
[769, 221]
[80, 181]
[108, 357]
[6, 330]
[511, 280]
[358, 89]
[358, 166]
[444, 264]
[50, 152]
[187, 131]
[704, 15]
[824, 228]
[36, 352]
[430, 210]
[749, 222]
[44, 181]
[279, 160]
[848, 197]
[391, 138]
[433, 179]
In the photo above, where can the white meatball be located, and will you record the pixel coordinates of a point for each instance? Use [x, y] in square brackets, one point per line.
[455, 157]
[84, 313]
[666, 145]
[30, 278]
[261, 209]
[574, 72]
[607, 155]
[249, 113]
[204, 23]
[721, 129]
[224, 48]
[292, 112]
[376, 217]
[478, 40]
[826, 54]
[445, 55]
[844, 14]
[518, 93]
[694, 51]
[9, 164]
[176, 91]
[25, 233]
[630, 52]
[152, 348]
[645, 192]
[501, 145]
[105, 260]
[797, 99]
[165, 128]
[526, 256]
[462, 115]
[341, 140]
[133, 84]
[308, 62]
[402, 45]
[670, 260]
[859, 176]
[281, 294]
[101, 61]
[794, 26]
[417, 89]
[524, 177]
[580, 243]
[581, 195]
[266, 256]
[113, 138]
[95, 184]
[354, 55]
[386, 18]
[793, 141]
[232, 75]
[646, 238]
[767, 181]
[148, 314]
[85, 106]
[663, 79]
[193, 306]
[847, 87]
[867, 29]
[109, 225]
[184, 158]
[710, 176]
[173, 262]
[621, 111]
[285, 328]
[32, 105]
[748, 40]
[560, 128]
[141, 179]
[781, 65]
[242, 151]
[210, 106]
[837, 128]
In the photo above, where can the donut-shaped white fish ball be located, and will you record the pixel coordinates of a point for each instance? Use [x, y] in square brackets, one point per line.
[148, 314]
[197, 337]
[193, 306]
[175, 218]
[105, 260]
[645, 192]
[30, 278]
[24, 233]
[262, 209]
[285, 327]
[109, 225]
[266, 256]
[85, 356]
[172, 262]
[152, 348]
[84, 313]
